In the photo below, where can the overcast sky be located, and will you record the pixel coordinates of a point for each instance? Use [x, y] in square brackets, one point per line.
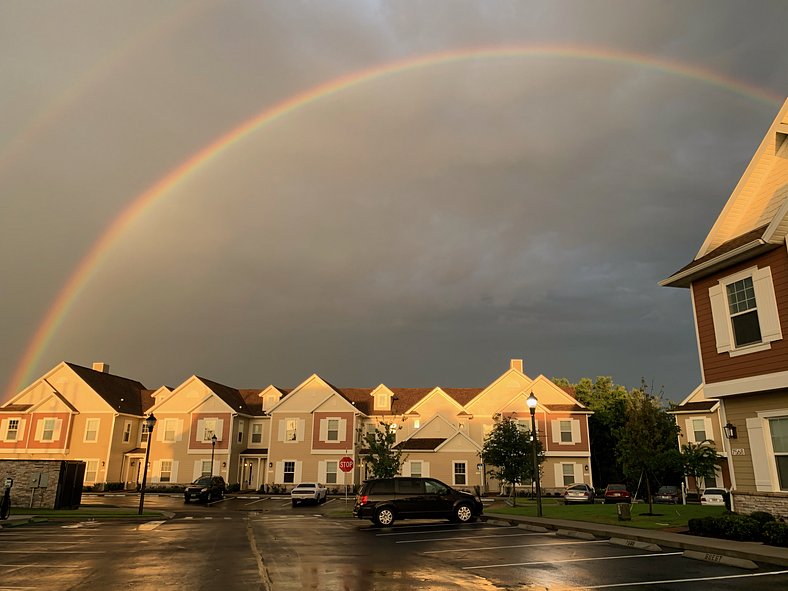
[414, 229]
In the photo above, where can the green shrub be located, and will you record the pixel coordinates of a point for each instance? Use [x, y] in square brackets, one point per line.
[234, 487]
[775, 533]
[739, 527]
[762, 517]
[114, 486]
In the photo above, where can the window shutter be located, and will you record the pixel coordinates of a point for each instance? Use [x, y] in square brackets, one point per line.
[156, 468]
[279, 472]
[300, 430]
[575, 431]
[58, 425]
[282, 431]
[161, 430]
[558, 469]
[690, 431]
[323, 429]
[39, 429]
[174, 475]
[425, 469]
[719, 313]
[200, 430]
[578, 473]
[4, 428]
[197, 469]
[342, 436]
[708, 428]
[21, 434]
[406, 468]
[760, 461]
[297, 477]
[555, 426]
[768, 316]
[321, 470]
[219, 429]
[179, 430]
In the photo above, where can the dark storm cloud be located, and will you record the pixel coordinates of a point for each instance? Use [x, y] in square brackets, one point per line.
[417, 229]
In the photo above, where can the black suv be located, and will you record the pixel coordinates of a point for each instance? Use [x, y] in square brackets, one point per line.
[384, 500]
[205, 488]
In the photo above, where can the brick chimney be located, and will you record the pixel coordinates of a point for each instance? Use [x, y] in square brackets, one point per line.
[516, 364]
[101, 366]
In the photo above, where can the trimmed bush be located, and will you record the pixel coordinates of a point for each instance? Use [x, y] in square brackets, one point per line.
[234, 487]
[762, 517]
[739, 527]
[775, 533]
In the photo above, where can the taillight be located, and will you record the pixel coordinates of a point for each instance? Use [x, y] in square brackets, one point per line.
[362, 500]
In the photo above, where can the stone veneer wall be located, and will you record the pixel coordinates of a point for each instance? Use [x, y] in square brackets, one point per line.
[22, 494]
[774, 503]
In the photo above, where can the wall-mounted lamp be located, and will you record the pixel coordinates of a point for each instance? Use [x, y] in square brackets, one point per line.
[103, 464]
[270, 464]
[586, 468]
[730, 430]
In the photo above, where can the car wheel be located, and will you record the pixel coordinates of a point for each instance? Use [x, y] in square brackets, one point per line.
[384, 516]
[463, 513]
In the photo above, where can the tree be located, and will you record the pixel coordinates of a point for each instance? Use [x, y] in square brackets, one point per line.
[699, 460]
[507, 451]
[647, 447]
[382, 460]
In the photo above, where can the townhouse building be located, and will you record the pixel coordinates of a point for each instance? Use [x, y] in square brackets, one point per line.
[278, 437]
[700, 420]
[738, 284]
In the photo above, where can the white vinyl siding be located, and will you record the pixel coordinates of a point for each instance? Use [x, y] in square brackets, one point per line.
[750, 292]
[565, 431]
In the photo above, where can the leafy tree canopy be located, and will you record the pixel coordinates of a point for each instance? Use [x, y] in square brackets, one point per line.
[508, 454]
[382, 460]
[699, 460]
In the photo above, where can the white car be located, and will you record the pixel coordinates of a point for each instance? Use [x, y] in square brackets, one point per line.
[309, 491]
[713, 496]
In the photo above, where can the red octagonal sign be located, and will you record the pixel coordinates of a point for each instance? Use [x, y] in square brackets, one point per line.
[346, 464]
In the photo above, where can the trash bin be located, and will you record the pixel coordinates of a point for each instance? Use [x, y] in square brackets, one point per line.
[624, 513]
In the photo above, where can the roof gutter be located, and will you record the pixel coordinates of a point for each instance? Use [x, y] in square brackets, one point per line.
[684, 278]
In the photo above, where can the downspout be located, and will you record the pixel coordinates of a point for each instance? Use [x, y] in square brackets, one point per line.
[110, 446]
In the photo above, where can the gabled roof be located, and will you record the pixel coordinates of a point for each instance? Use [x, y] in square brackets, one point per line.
[420, 444]
[695, 407]
[122, 394]
[232, 397]
[755, 218]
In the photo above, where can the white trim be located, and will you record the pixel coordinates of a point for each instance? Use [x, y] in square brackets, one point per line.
[567, 454]
[454, 464]
[770, 381]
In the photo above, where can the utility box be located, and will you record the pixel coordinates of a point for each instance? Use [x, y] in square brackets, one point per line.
[624, 511]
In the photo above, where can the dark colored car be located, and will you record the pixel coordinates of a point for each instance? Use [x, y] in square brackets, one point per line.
[205, 488]
[578, 493]
[667, 494]
[384, 500]
[617, 493]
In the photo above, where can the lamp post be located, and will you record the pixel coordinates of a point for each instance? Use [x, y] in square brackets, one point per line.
[150, 422]
[213, 447]
[532, 402]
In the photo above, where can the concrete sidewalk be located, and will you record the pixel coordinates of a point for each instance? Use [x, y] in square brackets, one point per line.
[754, 551]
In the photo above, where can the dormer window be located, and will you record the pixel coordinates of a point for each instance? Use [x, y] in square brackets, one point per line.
[382, 401]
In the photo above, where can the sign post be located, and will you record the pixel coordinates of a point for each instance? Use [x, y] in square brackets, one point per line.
[346, 465]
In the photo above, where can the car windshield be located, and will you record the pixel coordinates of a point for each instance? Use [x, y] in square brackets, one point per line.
[713, 491]
[616, 487]
[577, 487]
[307, 485]
[203, 481]
[666, 490]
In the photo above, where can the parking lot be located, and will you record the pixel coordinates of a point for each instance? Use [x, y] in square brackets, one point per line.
[264, 543]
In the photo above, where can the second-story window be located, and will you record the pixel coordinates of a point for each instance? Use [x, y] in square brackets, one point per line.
[48, 433]
[257, 433]
[291, 430]
[699, 430]
[91, 430]
[333, 430]
[566, 431]
[127, 432]
[12, 431]
[744, 312]
[209, 429]
[169, 430]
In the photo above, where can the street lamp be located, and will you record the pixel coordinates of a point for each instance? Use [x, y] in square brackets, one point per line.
[150, 422]
[213, 447]
[532, 402]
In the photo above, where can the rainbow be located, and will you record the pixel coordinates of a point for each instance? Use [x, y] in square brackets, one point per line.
[100, 250]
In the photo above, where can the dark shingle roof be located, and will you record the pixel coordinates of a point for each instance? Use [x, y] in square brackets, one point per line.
[255, 451]
[122, 394]
[15, 407]
[231, 396]
[703, 406]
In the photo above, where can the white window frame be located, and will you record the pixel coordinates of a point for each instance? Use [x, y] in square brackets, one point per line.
[330, 431]
[88, 430]
[564, 474]
[382, 401]
[291, 430]
[775, 453]
[144, 433]
[463, 473]
[418, 473]
[205, 464]
[285, 472]
[162, 471]
[335, 472]
[44, 429]
[91, 466]
[695, 430]
[170, 426]
[257, 427]
[126, 432]
[8, 429]
[209, 429]
[561, 431]
[765, 307]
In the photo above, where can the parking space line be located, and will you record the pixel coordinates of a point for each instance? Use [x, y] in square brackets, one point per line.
[256, 501]
[477, 523]
[469, 538]
[514, 546]
[693, 580]
[68, 566]
[53, 552]
[651, 555]
[437, 531]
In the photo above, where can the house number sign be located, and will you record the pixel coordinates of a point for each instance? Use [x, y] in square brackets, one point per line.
[737, 451]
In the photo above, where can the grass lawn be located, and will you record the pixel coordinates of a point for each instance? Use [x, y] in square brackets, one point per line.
[85, 512]
[665, 516]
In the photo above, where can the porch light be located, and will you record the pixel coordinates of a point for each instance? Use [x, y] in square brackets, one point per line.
[730, 430]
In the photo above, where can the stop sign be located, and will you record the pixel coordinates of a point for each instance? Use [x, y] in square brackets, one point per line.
[346, 464]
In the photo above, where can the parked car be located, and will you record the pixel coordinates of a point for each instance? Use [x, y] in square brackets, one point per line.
[384, 500]
[308, 491]
[578, 493]
[713, 496]
[617, 493]
[667, 494]
[205, 488]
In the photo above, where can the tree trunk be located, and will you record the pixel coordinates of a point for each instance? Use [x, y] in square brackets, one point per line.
[648, 492]
[514, 496]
